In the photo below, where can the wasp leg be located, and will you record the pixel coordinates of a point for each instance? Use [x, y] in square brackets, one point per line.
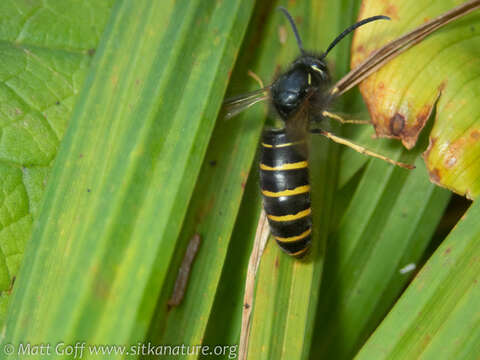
[359, 148]
[256, 78]
[342, 120]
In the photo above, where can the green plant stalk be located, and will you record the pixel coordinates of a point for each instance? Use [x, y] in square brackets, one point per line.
[123, 177]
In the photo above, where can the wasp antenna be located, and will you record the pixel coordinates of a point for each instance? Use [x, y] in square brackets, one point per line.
[294, 28]
[351, 28]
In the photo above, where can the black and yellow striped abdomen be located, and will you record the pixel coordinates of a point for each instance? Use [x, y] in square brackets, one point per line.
[286, 192]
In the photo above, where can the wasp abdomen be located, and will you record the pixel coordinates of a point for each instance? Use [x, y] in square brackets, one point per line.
[286, 192]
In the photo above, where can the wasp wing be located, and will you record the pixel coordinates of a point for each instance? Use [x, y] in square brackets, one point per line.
[235, 105]
[297, 128]
[386, 53]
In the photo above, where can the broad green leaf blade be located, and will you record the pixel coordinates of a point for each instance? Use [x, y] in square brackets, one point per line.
[215, 203]
[438, 315]
[125, 173]
[44, 57]
[387, 226]
[230, 293]
[70, 25]
[441, 70]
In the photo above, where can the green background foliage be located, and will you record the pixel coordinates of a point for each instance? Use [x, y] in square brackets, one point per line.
[46, 48]
[144, 164]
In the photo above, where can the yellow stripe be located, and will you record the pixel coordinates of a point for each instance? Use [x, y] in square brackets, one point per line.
[296, 216]
[298, 190]
[282, 145]
[300, 251]
[295, 238]
[290, 166]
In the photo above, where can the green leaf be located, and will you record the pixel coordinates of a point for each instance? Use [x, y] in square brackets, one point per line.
[125, 173]
[385, 226]
[438, 316]
[45, 51]
[441, 72]
[214, 205]
[229, 296]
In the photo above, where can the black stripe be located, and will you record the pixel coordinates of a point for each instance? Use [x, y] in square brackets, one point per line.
[290, 228]
[275, 137]
[295, 246]
[286, 205]
[276, 181]
[274, 157]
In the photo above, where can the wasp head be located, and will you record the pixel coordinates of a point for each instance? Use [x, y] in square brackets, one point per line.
[308, 77]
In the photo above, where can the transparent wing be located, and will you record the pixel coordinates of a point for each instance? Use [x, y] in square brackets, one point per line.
[297, 128]
[235, 105]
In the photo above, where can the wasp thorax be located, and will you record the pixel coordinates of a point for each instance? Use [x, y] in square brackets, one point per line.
[304, 79]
